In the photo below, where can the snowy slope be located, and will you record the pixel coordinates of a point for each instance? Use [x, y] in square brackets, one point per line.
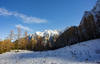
[87, 52]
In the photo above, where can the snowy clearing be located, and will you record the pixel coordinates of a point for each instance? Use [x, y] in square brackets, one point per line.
[87, 52]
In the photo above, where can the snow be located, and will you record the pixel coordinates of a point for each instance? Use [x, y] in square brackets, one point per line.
[87, 52]
[96, 8]
[95, 11]
[39, 33]
[48, 33]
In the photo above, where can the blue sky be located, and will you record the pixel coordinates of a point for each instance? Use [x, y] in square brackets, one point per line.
[40, 15]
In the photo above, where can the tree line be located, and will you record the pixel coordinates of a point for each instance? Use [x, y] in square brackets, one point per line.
[87, 29]
[23, 43]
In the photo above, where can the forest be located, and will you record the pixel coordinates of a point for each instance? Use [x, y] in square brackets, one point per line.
[24, 43]
[88, 29]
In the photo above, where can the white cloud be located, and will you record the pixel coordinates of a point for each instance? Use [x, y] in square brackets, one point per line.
[26, 19]
[4, 12]
[23, 27]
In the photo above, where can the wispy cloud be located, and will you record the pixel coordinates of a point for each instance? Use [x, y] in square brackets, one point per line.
[23, 27]
[26, 19]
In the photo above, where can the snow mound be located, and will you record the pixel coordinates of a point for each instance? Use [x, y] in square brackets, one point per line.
[87, 52]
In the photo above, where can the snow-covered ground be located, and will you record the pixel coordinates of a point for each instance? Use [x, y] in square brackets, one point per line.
[87, 52]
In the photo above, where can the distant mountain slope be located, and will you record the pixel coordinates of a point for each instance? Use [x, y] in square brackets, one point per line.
[47, 34]
[89, 28]
[87, 52]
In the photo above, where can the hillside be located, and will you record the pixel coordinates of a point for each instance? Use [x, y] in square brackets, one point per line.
[87, 52]
[73, 45]
[89, 28]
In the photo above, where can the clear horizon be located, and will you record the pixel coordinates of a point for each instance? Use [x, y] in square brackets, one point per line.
[37, 15]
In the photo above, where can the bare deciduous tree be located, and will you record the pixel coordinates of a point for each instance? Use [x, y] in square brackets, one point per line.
[19, 34]
[11, 37]
[26, 39]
